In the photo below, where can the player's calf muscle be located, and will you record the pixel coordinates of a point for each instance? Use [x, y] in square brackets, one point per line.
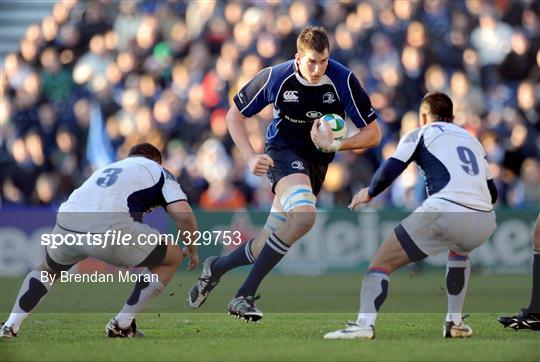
[174, 256]
[258, 243]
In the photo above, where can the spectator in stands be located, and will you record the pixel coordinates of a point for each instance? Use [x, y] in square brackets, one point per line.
[163, 71]
[215, 166]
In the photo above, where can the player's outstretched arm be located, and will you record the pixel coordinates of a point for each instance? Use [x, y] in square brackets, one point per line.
[258, 163]
[384, 176]
[362, 197]
[185, 221]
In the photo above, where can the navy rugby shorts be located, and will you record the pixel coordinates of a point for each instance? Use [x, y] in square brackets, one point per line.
[287, 161]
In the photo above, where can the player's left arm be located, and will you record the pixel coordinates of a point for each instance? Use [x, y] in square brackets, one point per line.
[358, 108]
[383, 177]
[184, 218]
[369, 136]
[390, 170]
[175, 202]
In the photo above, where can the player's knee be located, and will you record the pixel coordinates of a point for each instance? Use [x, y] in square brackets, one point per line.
[44, 266]
[302, 219]
[298, 202]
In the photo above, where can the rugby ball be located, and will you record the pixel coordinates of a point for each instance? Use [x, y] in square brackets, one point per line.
[336, 124]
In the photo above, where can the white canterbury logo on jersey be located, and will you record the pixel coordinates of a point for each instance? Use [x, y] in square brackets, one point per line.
[290, 96]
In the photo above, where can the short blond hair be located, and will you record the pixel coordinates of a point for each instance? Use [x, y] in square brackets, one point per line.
[313, 38]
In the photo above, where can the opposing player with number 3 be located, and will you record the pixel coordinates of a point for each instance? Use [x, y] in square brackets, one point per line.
[457, 215]
[115, 198]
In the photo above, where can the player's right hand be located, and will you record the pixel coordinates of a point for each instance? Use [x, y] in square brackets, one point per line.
[193, 256]
[260, 163]
[362, 197]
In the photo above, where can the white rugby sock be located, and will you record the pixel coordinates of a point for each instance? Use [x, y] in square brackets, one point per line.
[372, 295]
[31, 293]
[458, 270]
[142, 294]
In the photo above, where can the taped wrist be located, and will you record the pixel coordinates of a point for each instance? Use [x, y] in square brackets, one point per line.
[334, 147]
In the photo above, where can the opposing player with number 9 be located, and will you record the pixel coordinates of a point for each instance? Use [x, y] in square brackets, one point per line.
[457, 215]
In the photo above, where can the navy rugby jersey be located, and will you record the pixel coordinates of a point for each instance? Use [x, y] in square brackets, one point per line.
[297, 103]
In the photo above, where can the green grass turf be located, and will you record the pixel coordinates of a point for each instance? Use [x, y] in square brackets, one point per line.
[298, 311]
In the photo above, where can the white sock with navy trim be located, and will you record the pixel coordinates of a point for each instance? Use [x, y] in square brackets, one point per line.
[272, 252]
[32, 291]
[458, 270]
[142, 294]
[372, 296]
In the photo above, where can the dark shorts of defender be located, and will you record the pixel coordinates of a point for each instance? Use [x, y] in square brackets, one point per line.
[288, 161]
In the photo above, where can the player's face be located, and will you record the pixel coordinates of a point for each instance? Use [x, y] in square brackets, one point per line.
[312, 65]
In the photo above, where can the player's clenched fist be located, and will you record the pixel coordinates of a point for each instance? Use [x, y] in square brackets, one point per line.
[362, 197]
[322, 137]
[259, 164]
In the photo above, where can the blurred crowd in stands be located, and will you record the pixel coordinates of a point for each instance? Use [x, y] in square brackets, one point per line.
[94, 78]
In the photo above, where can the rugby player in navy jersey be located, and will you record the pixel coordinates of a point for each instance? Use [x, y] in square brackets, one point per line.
[297, 154]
